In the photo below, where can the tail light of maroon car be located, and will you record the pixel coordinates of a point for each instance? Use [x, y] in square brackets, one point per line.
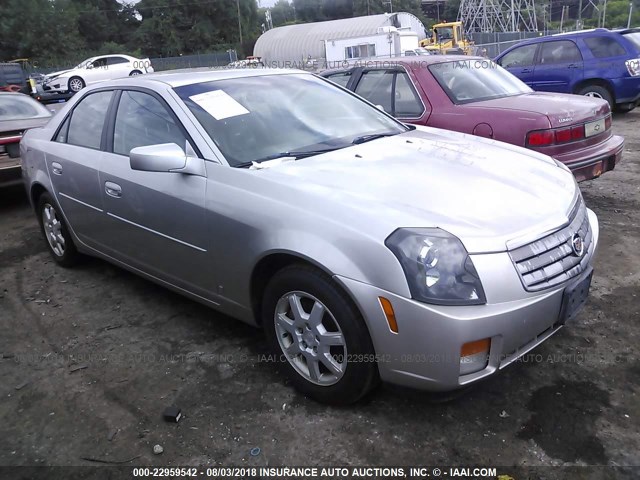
[558, 136]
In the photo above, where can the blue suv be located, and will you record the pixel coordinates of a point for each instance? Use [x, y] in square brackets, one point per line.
[599, 63]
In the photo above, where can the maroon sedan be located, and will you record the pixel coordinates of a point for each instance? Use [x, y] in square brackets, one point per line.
[474, 95]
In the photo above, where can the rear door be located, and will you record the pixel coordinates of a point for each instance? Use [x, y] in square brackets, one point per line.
[154, 220]
[73, 159]
[521, 62]
[559, 66]
[118, 67]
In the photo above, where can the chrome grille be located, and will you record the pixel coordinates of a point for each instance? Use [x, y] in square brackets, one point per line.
[551, 261]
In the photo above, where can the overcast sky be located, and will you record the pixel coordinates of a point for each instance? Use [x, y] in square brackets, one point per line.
[261, 3]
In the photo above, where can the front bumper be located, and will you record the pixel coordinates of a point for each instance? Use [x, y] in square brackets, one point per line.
[425, 352]
[56, 85]
[593, 161]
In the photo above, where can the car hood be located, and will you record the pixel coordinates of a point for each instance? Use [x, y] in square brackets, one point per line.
[491, 195]
[561, 109]
[51, 76]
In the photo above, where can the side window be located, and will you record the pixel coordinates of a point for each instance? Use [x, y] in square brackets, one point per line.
[408, 102]
[87, 120]
[99, 62]
[520, 57]
[375, 86]
[143, 120]
[116, 60]
[62, 133]
[341, 78]
[564, 51]
[604, 47]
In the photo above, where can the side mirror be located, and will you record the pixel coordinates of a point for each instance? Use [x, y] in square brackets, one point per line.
[89, 66]
[166, 157]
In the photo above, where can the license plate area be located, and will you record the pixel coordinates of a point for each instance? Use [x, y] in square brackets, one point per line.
[594, 128]
[574, 298]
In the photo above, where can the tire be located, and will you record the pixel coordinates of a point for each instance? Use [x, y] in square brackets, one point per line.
[625, 107]
[135, 73]
[353, 372]
[597, 91]
[76, 84]
[61, 248]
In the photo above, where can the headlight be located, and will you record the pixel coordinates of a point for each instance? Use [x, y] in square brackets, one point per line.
[438, 267]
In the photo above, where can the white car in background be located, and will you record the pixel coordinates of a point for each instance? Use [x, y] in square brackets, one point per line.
[95, 69]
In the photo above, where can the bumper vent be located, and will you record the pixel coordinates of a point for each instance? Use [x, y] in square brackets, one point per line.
[555, 259]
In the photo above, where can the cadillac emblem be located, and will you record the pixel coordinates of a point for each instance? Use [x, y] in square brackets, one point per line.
[577, 245]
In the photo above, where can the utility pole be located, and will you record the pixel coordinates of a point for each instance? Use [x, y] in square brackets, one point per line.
[368, 10]
[513, 18]
[239, 22]
[579, 21]
[562, 18]
[630, 12]
[604, 15]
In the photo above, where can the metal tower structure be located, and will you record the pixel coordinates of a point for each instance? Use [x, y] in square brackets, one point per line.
[498, 15]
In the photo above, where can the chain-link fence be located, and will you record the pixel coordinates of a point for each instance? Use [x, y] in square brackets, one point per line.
[497, 42]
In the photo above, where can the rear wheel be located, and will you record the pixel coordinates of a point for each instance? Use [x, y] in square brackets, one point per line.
[76, 84]
[597, 91]
[54, 229]
[135, 73]
[319, 336]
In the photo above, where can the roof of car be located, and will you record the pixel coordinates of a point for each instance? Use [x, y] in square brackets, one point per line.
[417, 61]
[179, 78]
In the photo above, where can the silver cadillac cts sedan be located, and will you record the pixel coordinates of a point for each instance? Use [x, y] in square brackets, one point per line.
[366, 249]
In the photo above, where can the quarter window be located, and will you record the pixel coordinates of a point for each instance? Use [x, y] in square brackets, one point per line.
[564, 51]
[604, 47]
[87, 120]
[520, 57]
[143, 120]
[408, 102]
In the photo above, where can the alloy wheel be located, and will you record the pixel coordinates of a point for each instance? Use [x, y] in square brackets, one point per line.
[53, 229]
[75, 85]
[310, 338]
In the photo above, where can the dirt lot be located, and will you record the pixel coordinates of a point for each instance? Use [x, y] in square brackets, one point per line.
[90, 357]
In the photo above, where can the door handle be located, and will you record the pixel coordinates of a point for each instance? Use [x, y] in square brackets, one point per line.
[56, 168]
[526, 70]
[113, 189]
[573, 65]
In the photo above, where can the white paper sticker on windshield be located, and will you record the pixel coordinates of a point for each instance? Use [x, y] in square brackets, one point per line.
[219, 104]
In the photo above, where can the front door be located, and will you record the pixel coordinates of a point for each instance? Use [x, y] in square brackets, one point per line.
[154, 220]
[559, 65]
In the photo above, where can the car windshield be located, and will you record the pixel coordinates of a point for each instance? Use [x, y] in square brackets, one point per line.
[83, 63]
[17, 107]
[633, 37]
[258, 118]
[475, 80]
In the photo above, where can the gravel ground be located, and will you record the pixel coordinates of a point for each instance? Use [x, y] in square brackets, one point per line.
[90, 357]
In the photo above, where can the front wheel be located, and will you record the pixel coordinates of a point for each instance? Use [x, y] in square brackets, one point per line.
[54, 229]
[76, 84]
[319, 335]
[596, 91]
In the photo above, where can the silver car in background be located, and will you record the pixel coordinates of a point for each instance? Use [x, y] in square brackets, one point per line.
[366, 249]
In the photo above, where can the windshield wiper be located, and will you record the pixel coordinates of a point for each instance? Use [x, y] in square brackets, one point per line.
[295, 154]
[373, 136]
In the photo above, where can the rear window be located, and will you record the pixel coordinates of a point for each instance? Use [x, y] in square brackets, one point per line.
[18, 106]
[467, 81]
[634, 38]
[602, 47]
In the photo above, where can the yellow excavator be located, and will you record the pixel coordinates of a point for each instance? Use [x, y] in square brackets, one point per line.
[448, 38]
